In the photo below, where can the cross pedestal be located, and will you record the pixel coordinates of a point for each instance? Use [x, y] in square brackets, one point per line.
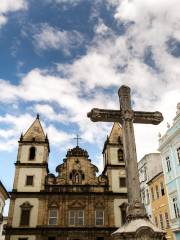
[137, 226]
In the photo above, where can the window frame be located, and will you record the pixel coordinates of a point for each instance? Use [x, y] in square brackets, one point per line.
[30, 149]
[178, 154]
[161, 221]
[152, 194]
[25, 207]
[120, 181]
[120, 155]
[26, 183]
[52, 217]
[166, 215]
[162, 189]
[168, 164]
[157, 192]
[175, 207]
[76, 218]
[97, 218]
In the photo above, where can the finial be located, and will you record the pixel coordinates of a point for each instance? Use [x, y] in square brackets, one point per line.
[37, 116]
[168, 125]
[21, 137]
[46, 138]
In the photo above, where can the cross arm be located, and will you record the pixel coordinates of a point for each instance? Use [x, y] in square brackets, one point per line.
[107, 115]
[104, 115]
[148, 117]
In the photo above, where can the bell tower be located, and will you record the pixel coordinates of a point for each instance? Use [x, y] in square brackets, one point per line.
[114, 165]
[32, 159]
[31, 168]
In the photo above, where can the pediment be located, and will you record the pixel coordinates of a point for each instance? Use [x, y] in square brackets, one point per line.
[77, 204]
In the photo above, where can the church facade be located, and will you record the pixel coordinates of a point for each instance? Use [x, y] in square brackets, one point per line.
[74, 204]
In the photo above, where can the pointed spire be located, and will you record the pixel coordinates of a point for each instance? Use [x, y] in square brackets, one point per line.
[21, 137]
[37, 116]
[116, 133]
[35, 132]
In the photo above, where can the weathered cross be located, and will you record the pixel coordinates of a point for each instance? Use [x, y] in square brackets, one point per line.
[77, 139]
[126, 116]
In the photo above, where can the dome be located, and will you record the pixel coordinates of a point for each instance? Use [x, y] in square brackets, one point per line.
[77, 152]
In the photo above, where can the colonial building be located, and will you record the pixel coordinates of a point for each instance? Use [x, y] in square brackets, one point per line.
[3, 197]
[74, 204]
[159, 204]
[169, 146]
[2, 233]
[3, 220]
[149, 166]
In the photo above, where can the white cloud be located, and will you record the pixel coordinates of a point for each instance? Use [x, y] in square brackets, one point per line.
[48, 37]
[7, 6]
[111, 61]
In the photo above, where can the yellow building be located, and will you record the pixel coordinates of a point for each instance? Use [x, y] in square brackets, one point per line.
[159, 204]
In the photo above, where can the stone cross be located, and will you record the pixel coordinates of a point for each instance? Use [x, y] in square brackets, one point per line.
[77, 138]
[126, 116]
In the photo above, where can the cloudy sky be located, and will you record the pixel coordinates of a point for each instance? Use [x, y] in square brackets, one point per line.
[60, 58]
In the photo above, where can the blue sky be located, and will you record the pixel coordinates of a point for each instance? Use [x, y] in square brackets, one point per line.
[61, 58]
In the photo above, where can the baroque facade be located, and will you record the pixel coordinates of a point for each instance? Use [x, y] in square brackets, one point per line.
[169, 146]
[75, 204]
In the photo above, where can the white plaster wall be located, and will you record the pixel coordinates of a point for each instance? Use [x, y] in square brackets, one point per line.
[117, 211]
[24, 156]
[30, 237]
[17, 211]
[116, 174]
[23, 172]
[113, 155]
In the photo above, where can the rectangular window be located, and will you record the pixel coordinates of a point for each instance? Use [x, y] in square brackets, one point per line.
[175, 206]
[156, 221]
[162, 189]
[161, 221]
[143, 196]
[152, 194]
[122, 182]
[25, 216]
[76, 217]
[52, 216]
[167, 220]
[99, 217]
[157, 191]
[168, 163]
[178, 154]
[147, 194]
[29, 180]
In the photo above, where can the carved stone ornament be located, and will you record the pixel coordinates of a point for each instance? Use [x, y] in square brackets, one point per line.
[26, 205]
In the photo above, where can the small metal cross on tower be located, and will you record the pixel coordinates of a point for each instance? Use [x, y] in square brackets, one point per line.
[126, 116]
[77, 138]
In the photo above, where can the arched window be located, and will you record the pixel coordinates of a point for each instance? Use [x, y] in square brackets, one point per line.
[77, 178]
[32, 153]
[25, 214]
[120, 155]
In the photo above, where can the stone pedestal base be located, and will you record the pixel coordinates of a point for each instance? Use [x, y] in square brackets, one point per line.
[139, 229]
